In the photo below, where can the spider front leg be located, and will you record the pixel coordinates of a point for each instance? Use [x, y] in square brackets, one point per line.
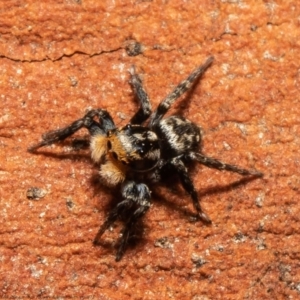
[188, 185]
[216, 164]
[87, 121]
[136, 203]
[182, 87]
[129, 227]
[145, 110]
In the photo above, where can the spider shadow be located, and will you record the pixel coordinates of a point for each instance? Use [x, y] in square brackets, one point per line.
[180, 193]
[114, 197]
[98, 189]
[61, 156]
[76, 145]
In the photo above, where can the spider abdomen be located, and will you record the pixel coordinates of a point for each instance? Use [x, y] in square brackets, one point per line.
[178, 135]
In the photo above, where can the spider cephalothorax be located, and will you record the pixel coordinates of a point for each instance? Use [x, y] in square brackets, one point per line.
[128, 155]
[132, 148]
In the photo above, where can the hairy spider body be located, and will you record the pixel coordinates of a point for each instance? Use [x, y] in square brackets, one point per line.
[132, 148]
[178, 135]
[131, 154]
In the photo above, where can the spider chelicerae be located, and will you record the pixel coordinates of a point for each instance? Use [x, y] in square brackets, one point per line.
[136, 153]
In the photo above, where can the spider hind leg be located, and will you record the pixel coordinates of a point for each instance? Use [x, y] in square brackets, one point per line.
[180, 140]
[188, 185]
[181, 88]
[145, 110]
[213, 163]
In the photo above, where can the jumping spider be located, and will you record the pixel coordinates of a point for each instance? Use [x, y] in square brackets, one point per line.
[132, 154]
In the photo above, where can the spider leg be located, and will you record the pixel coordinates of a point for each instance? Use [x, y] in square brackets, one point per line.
[164, 106]
[87, 121]
[145, 110]
[112, 217]
[137, 196]
[188, 185]
[138, 213]
[216, 164]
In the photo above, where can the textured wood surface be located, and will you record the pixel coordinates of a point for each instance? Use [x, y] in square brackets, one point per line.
[60, 58]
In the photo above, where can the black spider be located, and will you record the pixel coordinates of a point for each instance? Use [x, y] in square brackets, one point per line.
[134, 153]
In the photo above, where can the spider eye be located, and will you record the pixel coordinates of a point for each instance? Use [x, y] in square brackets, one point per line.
[139, 145]
[108, 145]
[141, 148]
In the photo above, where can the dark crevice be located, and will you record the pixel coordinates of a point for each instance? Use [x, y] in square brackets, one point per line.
[62, 56]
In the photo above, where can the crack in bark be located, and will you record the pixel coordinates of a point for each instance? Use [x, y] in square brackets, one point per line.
[62, 56]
